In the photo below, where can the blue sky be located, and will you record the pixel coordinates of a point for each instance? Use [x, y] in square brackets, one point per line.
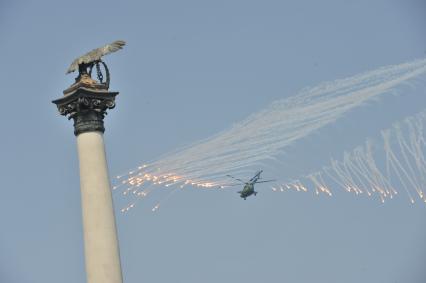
[191, 69]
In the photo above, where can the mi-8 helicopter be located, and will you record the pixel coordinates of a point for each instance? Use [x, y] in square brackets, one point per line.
[248, 189]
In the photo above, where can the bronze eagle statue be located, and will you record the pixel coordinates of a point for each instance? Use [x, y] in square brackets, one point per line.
[94, 57]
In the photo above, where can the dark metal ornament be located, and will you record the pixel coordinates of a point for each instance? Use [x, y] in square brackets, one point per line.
[87, 108]
[99, 72]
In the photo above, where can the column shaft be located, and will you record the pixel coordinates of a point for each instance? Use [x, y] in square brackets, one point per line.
[100, 237]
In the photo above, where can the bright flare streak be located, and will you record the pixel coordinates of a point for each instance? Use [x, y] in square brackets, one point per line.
[405, 165]
[156, 207]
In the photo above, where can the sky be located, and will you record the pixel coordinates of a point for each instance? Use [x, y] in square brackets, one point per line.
[191, 69]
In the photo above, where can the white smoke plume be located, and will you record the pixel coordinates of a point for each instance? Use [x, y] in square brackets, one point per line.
[397, 163]
[266, 134]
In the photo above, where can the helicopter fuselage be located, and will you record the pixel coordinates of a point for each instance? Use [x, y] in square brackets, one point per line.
[247, 191]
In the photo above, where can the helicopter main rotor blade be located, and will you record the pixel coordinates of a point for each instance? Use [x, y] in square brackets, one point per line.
[236, 179]
[265, 181]
[256, 176]
[231, 185]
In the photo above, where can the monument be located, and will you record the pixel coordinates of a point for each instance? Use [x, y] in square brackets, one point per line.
[86, 102]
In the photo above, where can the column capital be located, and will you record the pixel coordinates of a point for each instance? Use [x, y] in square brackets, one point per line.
[87, 106]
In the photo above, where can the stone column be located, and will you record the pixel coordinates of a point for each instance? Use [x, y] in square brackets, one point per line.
[86, 104]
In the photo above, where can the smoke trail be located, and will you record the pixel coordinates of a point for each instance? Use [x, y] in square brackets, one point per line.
[266, 134]
[402, 156]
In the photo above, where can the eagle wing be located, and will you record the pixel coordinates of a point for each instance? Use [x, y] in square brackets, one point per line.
[96, 54]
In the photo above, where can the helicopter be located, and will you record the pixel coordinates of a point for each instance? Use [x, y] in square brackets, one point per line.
[248, 189]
